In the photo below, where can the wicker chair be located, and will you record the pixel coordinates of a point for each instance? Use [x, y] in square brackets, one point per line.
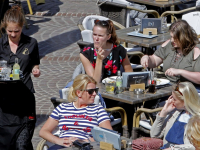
[120, 12]
[173, 13]
[142, 127]
[44, 145]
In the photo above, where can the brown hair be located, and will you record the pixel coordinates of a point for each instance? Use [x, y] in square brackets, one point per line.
[80, 83]
[185, 35]
[110, 30]
[14, 15]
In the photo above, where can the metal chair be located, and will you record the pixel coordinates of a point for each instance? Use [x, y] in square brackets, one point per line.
[120, 12]
[191, 15]
[44, 145]
[142, 127]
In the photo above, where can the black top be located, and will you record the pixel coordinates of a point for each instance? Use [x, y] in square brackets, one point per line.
[111, 64]
[27, 54]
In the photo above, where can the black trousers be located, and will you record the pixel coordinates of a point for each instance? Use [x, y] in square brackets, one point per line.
[4, 6]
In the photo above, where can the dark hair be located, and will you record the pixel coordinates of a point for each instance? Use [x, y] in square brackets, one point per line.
[14, 15]
[108, 24]
[185, 34]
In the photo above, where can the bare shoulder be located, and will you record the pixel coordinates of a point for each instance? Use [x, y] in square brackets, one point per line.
[165, 43]
[196, 51]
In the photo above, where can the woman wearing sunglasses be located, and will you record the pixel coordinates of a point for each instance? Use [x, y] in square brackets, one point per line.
[193, 131]
[76, 118]
[170, 122]
[105, 56]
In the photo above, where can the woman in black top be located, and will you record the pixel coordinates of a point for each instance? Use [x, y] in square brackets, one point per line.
[17, 112]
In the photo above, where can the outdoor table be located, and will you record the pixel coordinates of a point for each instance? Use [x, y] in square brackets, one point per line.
[169, 3]
[96, 145]
[141, 41]
[130, 98]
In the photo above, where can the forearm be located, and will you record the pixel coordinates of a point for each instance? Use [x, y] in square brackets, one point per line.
[152, 62]
[49, 136]
[98, 70]
[192, 76]
[36, 67]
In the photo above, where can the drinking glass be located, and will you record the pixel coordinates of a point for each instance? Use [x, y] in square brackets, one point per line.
[5, 73]
[164, 23]
[110, 86]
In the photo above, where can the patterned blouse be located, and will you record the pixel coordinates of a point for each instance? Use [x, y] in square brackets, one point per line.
[111, 64]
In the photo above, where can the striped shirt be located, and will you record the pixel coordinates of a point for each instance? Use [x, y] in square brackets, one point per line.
[78, 122]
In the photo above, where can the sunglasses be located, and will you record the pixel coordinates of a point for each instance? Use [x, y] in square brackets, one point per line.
[177, 88]
[101, 22]
[91, 91]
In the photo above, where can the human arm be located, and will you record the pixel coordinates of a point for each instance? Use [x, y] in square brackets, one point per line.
[106, 124]
[46, 133]
[36, 71]
[126, 65]
[151, 61]
[159, 125]
[95, 71]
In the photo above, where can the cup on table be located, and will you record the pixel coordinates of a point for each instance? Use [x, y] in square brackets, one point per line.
[164, 23]
[5, 73]
[110, 86]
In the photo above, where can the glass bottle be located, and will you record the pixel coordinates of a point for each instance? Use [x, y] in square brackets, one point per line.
[16, 69]
[119, 81]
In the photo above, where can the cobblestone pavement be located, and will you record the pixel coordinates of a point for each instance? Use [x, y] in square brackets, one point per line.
[54, 26]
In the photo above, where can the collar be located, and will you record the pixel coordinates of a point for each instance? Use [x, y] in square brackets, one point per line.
[24, 39]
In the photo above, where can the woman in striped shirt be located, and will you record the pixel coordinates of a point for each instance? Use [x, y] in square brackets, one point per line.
[76, 118]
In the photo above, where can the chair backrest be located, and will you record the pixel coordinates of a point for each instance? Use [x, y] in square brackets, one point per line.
[117, 12]
[88, 21]
[88, 24]
[193, 19]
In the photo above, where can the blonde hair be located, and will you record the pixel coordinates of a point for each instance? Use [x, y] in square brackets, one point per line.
[190, 97]
[14, 15]
[193, 128]
[80, 83]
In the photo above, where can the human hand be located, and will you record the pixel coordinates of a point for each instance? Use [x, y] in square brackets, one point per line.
[172, 72]
[145, 61]
[101, 53]
[168, 107]
[36, 72]
[67, 142]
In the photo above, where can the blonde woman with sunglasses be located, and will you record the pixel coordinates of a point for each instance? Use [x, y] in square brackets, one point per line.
[76, 118]
[170, 122]
[105, 56]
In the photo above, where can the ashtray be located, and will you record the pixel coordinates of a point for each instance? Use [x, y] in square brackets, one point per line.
[138, 91]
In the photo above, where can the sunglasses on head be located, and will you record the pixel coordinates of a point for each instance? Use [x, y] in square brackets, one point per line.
[102, 22]
[177, 88]
[91, 91]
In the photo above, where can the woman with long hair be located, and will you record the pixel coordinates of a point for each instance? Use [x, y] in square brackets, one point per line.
[179, 55]
[170, 122]
[76, 118]
[18, 120]
[105, 56]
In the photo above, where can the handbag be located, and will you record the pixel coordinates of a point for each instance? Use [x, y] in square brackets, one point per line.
[146, 143]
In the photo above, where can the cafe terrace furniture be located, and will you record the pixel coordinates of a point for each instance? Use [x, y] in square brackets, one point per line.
[142, 127]
[19, 2]
[169, 3]
[56, 101]
[148, 45]
[96, 145]
[120, 12]
[133, 99]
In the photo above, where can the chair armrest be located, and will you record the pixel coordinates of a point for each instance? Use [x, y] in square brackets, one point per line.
[166, 13]
[153, 12]
[137, 114]
[133, 53]
[82, 44]
[123, 118]
[56, 101]
[42, 144]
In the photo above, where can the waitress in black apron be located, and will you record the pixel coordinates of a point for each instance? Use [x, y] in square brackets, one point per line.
[17, 101]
